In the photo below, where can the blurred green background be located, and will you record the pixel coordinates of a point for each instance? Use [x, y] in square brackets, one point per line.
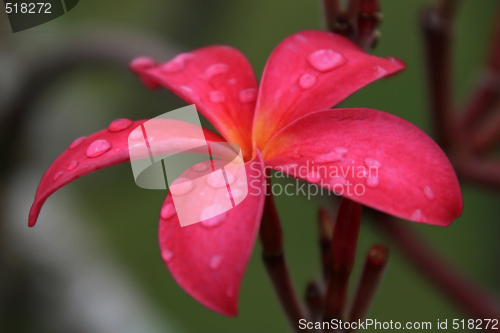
[123, 217]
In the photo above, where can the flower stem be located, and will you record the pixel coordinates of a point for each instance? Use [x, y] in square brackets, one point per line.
[450, 282]
[487, 88]
[374, 268]
[436, 26]
[325, 234]
[271, 238]
[314, 300]
[343, 250]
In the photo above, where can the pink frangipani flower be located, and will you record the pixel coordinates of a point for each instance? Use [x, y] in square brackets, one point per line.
[284, 123]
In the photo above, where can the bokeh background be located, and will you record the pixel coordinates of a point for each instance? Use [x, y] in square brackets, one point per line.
[92, 263]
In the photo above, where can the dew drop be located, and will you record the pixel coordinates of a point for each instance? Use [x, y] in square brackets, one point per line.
[230, 291]
[326, 60]
[58, 175]
[72, 165]
[337, 180]
[329, 158]
[167, 211]
[296, 155]
[313, 177]
[372, 181]
[341, 150]
[200, 167]
[181, 186]
[418, 216]
[97, 148]
[209, 217]
[236, 193]
[301, 38]
[217, 97]
[370, 162]
[216, 180]
[167, 255]
[429, 193]
[307, 81]
[136, 134]
[247, 96]
[215, 261]
[120, 124]
[214, 70]
[141, 64]
[380, 72]
[77, 142]
[177, 64]
[232, 81]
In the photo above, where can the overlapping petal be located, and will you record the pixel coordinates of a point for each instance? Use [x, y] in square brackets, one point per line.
[220, 81]
[374, 158]
[103, 149]
[312, 71]
[208, 259]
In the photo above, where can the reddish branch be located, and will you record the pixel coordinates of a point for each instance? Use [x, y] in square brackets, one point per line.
[343, 250]
[373, 271]
[271, 238]
[437, 270]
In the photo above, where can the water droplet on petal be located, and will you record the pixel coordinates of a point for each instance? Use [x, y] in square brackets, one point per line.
[209, 217]
[236, 193]
[181, 186]
[72, 165]
[177, 64]
[232, 81]
[217, 97]
[313, 177]
[301, 38]
[307, 81]
[167, 211]
[370, 162]
[380, 72]
[120, 124]
[329, 158]
[326, 60]
[58, 175]
[230, 291]
[215, 262]
[418, 216]
[296, 155]
[337, 180]
[200, 167]
[214, 70]
[216, 180]
[136, 134]
[190, 92]
[77, 142]
[167, 255]
[247, 96]
[372, 181]
[341, 150]
[97, 148]
[429, 193]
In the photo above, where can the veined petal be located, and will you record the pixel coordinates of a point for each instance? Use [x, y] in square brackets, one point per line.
[311, 71]
[220, 81]
[208, 259]
[106, 148]
[374, 158]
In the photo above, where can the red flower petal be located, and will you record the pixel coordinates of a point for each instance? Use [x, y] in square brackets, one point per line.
[346, 148]
[208, 259]
[220, 82]
[311, 71]
[97, 151]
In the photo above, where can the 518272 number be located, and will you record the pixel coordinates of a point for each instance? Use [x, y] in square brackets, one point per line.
[28, 8]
